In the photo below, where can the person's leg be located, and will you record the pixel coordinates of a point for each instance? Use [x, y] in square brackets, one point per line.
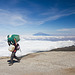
[11, 61]
[17, 58]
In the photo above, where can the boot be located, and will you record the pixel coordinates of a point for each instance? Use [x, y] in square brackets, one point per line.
[10, 64]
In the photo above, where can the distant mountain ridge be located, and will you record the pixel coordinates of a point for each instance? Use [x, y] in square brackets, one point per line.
[44, 34]
[41, 34]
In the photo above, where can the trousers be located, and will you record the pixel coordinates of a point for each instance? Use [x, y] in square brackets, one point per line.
[13, 56]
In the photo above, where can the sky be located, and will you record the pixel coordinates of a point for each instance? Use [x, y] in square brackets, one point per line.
[27, 17]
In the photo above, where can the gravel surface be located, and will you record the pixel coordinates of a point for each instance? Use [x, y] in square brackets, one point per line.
[41, 63]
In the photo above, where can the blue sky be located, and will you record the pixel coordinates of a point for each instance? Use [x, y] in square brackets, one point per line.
[27, 17]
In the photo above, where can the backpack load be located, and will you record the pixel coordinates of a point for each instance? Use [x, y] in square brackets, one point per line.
[11, 48]
[12, 37]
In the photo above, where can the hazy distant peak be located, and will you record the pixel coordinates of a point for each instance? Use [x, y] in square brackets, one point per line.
[41, 34]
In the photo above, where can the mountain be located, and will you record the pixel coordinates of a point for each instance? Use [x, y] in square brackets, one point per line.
[41, 34]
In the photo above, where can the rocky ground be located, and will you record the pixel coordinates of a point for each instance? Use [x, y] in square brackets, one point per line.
[56, 62]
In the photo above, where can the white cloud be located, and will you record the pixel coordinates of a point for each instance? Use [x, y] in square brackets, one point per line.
[50, 16]
[67, 29]
[23, 17]
[58, 14]
[50, 11]
[9, 18]
[17, 20]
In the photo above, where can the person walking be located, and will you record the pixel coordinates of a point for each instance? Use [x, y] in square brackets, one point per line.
[13, 55]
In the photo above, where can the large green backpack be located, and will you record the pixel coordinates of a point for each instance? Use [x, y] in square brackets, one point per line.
[11, 38]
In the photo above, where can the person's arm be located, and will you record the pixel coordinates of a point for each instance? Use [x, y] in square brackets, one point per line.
[15, 41]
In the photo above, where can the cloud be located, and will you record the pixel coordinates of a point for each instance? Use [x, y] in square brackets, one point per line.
[10, 18]
[67, 29]
[55, 14]
[27, 17]
[17, 20]
[51, 11]
[50, 15]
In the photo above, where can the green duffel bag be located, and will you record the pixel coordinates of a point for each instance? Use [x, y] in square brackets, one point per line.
[11, 38]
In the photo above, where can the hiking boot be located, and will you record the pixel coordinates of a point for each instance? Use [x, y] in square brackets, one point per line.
[10, 64]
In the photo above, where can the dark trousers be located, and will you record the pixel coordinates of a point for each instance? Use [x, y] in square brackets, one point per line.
[13, 56]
